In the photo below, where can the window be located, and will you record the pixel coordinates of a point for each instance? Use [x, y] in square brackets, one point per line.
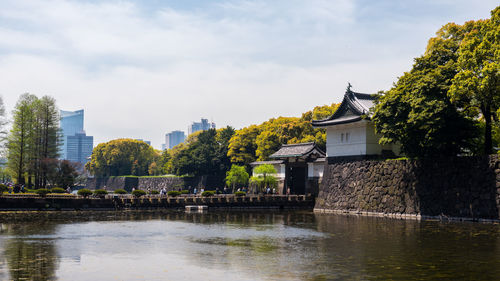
[344, 137]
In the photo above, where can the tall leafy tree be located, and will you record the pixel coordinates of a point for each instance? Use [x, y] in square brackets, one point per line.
[257, 142]
[47, 137]
[476, 86]
[121, 157]
[418, 113]
[3, 123]
[34, 138]
[264, 176]
[242, 146]
[237, 175]
[20, 139]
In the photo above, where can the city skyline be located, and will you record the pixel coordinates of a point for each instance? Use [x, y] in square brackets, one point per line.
[77, 146]
[238, 62]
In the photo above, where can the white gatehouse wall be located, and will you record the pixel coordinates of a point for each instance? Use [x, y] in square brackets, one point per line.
[353, 139]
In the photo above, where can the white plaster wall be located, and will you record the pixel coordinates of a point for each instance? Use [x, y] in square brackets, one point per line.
[362, 140]
[355, 145]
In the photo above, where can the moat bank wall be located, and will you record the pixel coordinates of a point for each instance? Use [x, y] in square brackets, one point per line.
[151, 183]
[462, 187]
[118, 202]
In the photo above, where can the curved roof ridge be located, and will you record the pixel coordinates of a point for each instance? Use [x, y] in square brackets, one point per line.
[357, 103]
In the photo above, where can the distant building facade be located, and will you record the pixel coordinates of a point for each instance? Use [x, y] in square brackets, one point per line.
[76, 146]
[200, 126]
[174, 138]
[79, 147]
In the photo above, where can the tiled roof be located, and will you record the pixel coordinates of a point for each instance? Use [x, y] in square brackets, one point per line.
[353, 106]
[272, 162]
[297, 150]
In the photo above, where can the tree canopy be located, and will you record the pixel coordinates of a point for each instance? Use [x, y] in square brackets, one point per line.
[257, 142]
[33, 139]
[236, 176]
[431, 110]
[203, 153]
[264, 176]
[476, 86]
[122, 157]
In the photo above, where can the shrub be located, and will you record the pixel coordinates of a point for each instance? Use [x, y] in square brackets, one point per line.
[120, 191]
[173, 193]
[42, 191]
[208, 193]
[154, 192]
[100, 192]
[138, 193]
[240, 193]
[3, 188]
[184, 191]
[84, 192]
[57, 190]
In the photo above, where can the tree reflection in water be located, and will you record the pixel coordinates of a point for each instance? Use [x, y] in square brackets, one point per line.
[29, 256]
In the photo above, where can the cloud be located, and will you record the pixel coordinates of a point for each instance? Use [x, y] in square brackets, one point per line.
[140, 71]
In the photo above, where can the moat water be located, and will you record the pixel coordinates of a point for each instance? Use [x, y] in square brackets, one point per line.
[270, 245]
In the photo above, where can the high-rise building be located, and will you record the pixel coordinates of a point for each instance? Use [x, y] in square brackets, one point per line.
[201, 126]
[174, 138]
[77, 146]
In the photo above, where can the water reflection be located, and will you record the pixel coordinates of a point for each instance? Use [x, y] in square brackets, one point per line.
[243, 246]
[26, 254]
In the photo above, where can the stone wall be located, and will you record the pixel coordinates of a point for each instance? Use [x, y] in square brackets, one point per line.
[144, 183]
[118, 202]
[462, 187]
[153, 183]
[112, 183]
[169, 183]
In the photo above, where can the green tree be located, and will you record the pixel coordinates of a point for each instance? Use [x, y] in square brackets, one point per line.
[476, 86]
[46, 139]
[418, 113]
[236, 176]
[121, 157]
[33, 139]
[3, 123]
[20, 138]
[61, 173]
[242, 146]
[257, 142]
[264, 176]
[203, 153]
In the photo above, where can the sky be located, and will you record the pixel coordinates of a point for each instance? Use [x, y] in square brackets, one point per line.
[141, 69]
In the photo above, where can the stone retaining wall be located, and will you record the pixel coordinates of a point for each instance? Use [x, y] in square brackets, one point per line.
[116, 202]
[144, 183]
[153, 183]
[462, 187]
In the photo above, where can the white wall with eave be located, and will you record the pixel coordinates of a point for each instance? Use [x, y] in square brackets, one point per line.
[353, 139]
[346, 139]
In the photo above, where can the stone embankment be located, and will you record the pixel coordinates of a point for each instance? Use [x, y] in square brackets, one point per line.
[10, 203]
[456, 188]
[153, 183]
[144, 183]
